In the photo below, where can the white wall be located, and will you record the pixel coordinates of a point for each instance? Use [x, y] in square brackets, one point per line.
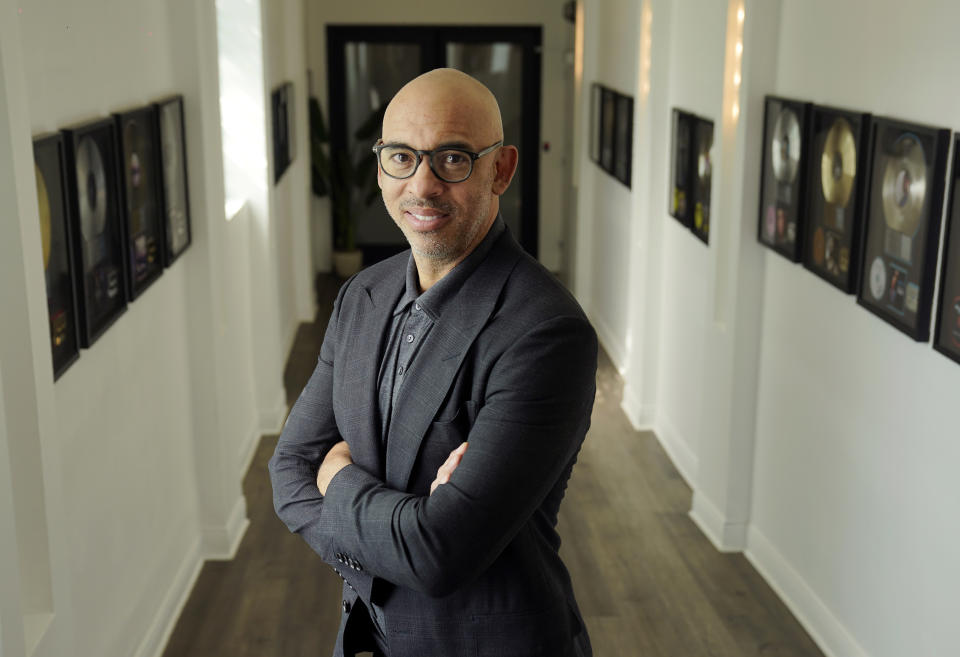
[605, 205]
[545, 13]
[815, 436]
[126, 473]
[856, 425]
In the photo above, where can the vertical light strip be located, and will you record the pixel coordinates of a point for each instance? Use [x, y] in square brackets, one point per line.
[737, 76]
[645, 33]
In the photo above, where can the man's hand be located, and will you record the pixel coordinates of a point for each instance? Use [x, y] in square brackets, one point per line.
[336, 459]
[446, 470]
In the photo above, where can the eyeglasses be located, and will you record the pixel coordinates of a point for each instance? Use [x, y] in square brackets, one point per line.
[450, 165]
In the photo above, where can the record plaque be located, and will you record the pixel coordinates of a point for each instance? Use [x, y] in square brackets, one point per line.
[682, 167]
[173, 167]
[281, 108]
[95, 209]
[608, 117]
[947, 338]
[55, 239]
[140, 184]
[783, 177]
[623, 139]
[904, 205]
[836, 176]
[702, 171]
[596, 96]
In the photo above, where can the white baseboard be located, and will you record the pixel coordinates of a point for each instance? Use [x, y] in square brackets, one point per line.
[726, 536]
[221, 542]
[610, 342]
[247, 451]
[817, 619]
[639, 414]
[271, 419]
[678, 449]
[173, 602]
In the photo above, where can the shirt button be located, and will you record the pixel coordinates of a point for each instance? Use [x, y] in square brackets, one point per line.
[416, 306]
[400, 370]
[410, 338]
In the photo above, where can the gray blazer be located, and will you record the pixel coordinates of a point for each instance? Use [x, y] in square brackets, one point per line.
[472, 570]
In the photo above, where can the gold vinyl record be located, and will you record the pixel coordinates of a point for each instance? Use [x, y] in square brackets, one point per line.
[838, 163]
[786, 146]
[904, 185]
[91, 189]
[43, 200]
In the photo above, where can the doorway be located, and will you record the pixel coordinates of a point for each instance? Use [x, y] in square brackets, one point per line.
[368, 64]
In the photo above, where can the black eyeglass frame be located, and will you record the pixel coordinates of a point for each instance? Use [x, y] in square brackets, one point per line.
[473, 158]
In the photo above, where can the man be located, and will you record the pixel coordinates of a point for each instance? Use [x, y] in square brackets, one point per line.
[428, 454]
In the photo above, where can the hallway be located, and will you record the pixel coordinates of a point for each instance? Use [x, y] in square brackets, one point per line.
[648, 582]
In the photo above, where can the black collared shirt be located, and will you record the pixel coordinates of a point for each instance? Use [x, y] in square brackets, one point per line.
[414, 316]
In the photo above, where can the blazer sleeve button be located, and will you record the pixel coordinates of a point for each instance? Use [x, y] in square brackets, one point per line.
[346, 607]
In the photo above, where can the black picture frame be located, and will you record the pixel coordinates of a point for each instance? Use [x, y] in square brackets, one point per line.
[837, 176]
[596, 114]
[95, 211]
[171, 130]
[141, 191]
[679, 202]
[57, 242]
[947, 335]
[702, 170]
[281, 99]
[608, 116]
[783, 176]
[623, 138]
[902, 228]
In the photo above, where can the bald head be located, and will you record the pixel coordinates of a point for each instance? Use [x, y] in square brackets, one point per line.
[448, 99]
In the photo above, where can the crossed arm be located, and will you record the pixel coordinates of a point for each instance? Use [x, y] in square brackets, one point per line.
[522, 445]
[339, 457]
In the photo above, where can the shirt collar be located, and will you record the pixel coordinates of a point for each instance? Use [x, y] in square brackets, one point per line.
[435, 300]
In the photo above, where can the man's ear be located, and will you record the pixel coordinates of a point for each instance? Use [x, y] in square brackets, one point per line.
[506, 166]
[379, 177]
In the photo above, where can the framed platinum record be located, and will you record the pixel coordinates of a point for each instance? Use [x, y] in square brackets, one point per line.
[56, 241]
[95, 209]
[904, 206]
[947, 338]
[173, 166]
[784, 176]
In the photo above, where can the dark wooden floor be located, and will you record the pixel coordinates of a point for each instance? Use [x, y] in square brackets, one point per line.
[648, 582]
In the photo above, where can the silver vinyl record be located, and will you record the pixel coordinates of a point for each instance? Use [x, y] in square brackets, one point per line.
[786, 146]
[904, 185]
[91, 189]
[174, 184]
[878, 278]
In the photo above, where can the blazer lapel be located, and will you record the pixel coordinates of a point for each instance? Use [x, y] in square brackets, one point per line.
[363, 348]
[441, 356]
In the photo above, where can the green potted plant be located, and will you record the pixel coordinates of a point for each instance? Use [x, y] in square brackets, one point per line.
[348, 178]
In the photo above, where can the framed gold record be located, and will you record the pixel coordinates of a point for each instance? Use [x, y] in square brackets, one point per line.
[839, 157]
[142, 207]
[56, 245]
[95, 209]
[947, 337]
[902, 225]
[781, 224]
